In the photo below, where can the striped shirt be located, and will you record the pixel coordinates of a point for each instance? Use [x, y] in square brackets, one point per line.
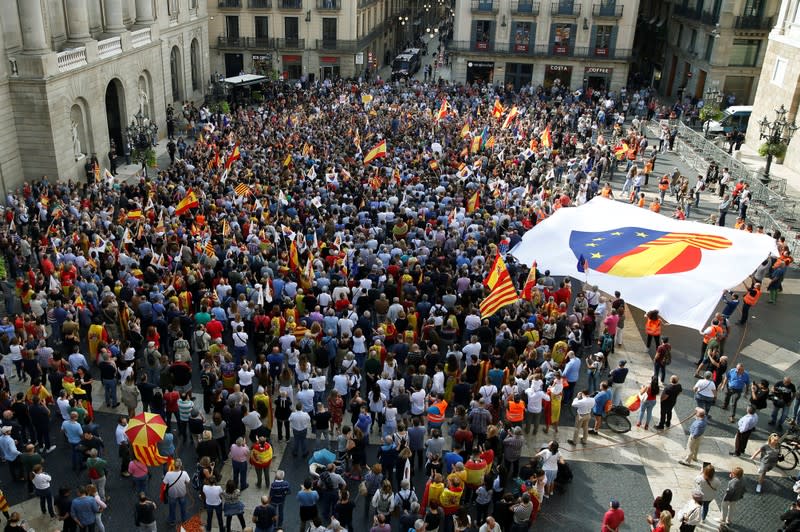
[185, 407]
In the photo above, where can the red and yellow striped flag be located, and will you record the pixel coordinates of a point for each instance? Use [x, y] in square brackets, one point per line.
[502, 291]
[242, 190]
[209, 249]
[379, 150]
[135, 214]
[474, 202]
[476, 144]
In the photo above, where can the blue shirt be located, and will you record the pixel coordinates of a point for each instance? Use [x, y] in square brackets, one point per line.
[698, 427]
[83, 509]
[73, 430]
[600, 401]
[307, 498]
[572, 370]
[8, 448]
[279, 490]
[451, 459]
[736, 381]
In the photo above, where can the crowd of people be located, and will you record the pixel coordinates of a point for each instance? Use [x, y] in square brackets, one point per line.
[270, 277]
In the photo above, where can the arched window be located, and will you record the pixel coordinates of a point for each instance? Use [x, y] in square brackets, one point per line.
[175, 71]
[195, 65]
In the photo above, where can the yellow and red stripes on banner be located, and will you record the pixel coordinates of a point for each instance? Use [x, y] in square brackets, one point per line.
[512, 115]
[190, 201]
[379, 150]
[503, 292]
[497, 110]
[149, 455]
[242, 190]
[233, 157]
[546, 137]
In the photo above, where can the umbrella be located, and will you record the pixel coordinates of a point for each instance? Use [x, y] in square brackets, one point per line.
[146, 429]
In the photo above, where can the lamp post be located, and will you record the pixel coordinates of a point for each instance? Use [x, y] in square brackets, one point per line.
[141, 133]
[713, 99]
[777, 135]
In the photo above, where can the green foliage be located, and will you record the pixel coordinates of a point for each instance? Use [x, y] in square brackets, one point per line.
[710, 113]
[148, 155]
[777, 150]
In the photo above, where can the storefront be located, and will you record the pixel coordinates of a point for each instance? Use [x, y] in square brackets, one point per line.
[562, 73]
[597, 78]
[292, 66]
[480, 71]
[262, 64]
[518, 75]
[329, 68]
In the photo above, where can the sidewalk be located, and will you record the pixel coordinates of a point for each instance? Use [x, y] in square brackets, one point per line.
[750, 157]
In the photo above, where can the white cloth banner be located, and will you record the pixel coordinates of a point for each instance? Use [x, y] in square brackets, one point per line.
[678, 267]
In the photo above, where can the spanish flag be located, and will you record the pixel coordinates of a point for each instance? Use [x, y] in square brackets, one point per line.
[135, 214]
[474, 202]
[502, 291]
[620, 150]
[375, 182]
[294, 257]
[465, 130]
[434, 164]
[490, 143]
[379, 150]
[497, 111]
[530, 283]
[442, 113]
[190, 201]
[546, 137]
[233, 157]
[214, 162]
[476, 144]
[242, 190]
[512, 115]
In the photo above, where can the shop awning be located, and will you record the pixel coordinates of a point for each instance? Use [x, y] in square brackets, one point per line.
[245, 80]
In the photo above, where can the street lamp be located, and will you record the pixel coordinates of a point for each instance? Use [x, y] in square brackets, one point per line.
[141, 133]
[777, 135]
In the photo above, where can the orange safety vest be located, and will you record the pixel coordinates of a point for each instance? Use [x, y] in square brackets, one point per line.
[664, 183]
[750, 299]
[606, 192]
[441, 407]
[716, 330]
[653, 327]
[515, 412]
[655, 207]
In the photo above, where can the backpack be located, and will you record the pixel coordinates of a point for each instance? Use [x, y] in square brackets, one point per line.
[405, 503]
[195, 481]
[325, 481]
[667, 357]
[384, 504]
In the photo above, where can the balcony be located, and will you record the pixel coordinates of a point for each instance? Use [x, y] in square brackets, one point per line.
[225, 41]
[607, 11]
[754, 23]
[484, 6]
[262, 43]
[565, 9]
[290, 4]
[329, 5]
[109, 47]
[140, 37]
[71, 59]
[260, 4]
[230, 4]
[290, 44]
[540, 50]
[525, 8]
[337, 46]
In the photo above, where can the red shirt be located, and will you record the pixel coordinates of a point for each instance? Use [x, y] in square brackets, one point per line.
[612, 520]
[214, 329]
[171, 401]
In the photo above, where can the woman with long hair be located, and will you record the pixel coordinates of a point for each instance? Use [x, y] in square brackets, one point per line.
[651, 392]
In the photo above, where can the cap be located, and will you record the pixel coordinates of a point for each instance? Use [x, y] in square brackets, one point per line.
[614, 503]
[623, 362]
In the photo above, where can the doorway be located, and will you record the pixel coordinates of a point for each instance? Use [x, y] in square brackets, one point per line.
[115, 112]
[234, 65]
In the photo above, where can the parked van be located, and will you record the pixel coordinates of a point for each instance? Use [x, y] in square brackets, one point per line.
[405, 65]
[734, 117]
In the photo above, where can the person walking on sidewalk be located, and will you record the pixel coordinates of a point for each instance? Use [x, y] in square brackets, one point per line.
[736, 381]
[734, 493]
[669, 396]
[705, 392]
[769, 454]
[696, 431]
[744, 428]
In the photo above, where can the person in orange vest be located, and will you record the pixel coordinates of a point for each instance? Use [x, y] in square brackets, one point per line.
[641, 202]
[663, 186]
[606, 191]
[655, 206]
[436, 412]
[652, 326]
[750, 299]
[261, 458]
[711, 334]
[515, 410]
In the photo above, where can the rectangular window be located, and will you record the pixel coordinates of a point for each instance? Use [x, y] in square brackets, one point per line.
[483, 34]
[329, 29]
[522, 36]
[291, 28]
[172, 7]
[744, 52]
[262, 27]
[232, 26]
[709, 48]
[780, 71]
[692, 40]
[561, 38]
[603, 38]
[680, 36]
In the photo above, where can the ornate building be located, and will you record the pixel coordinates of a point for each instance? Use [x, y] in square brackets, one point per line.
[76, 71]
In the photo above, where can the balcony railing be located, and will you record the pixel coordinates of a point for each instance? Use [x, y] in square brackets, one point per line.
[333, 45]
[263, 43]
[484, 6]
[230, 4]
[290, 4]
[754, 23]
[606, 11]
[329, 5]
[566, 9]
[71, 59]
[290, 44]
[109, 47]
[540, 50]
[522, 7]
[261, 4]
[260, 42]
[140, 37]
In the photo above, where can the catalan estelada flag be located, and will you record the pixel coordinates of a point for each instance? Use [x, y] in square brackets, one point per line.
[233, 157]
[546, 137]
[379, 150]
[474, 202]
[502, 291]
[189, 201]
[242, 189]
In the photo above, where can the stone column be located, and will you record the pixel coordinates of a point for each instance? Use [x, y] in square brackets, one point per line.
[78, 20]
[31, 21]
[144, 12]
[113, 23]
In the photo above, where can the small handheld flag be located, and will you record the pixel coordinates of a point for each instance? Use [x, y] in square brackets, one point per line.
[583, 264]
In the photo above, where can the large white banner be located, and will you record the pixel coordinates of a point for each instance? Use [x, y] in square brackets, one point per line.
[656, 262]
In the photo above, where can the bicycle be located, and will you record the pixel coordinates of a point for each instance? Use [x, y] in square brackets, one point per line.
[617, 419]
[789, 449]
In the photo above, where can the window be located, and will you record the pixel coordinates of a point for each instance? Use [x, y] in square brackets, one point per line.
[603, 37]
[232, 26]
[175, 72]
[744, 52]
[522, 36]
[172, 7]
[483, 34]
[562, 34]
[291, 29]
[262, 28]
[692, 40]
[329, 29]
[753, 8]
[680, 36]
[195, 65]
[780, 71]
[709, 47]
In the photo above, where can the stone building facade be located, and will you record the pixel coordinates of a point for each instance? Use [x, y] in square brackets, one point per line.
[76, 71]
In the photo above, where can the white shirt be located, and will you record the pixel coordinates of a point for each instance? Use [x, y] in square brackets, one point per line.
[747, 422]
[246, 377]
[240, 339]
[705, 387]
[41, 481]
[119, 434]
[213, 495]
[418, 403]
[535, 399]
[438, 383]
[299, 420]
[318, 383]
[583, 406]
[340, 384]
[487, 391]
[63, 407]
